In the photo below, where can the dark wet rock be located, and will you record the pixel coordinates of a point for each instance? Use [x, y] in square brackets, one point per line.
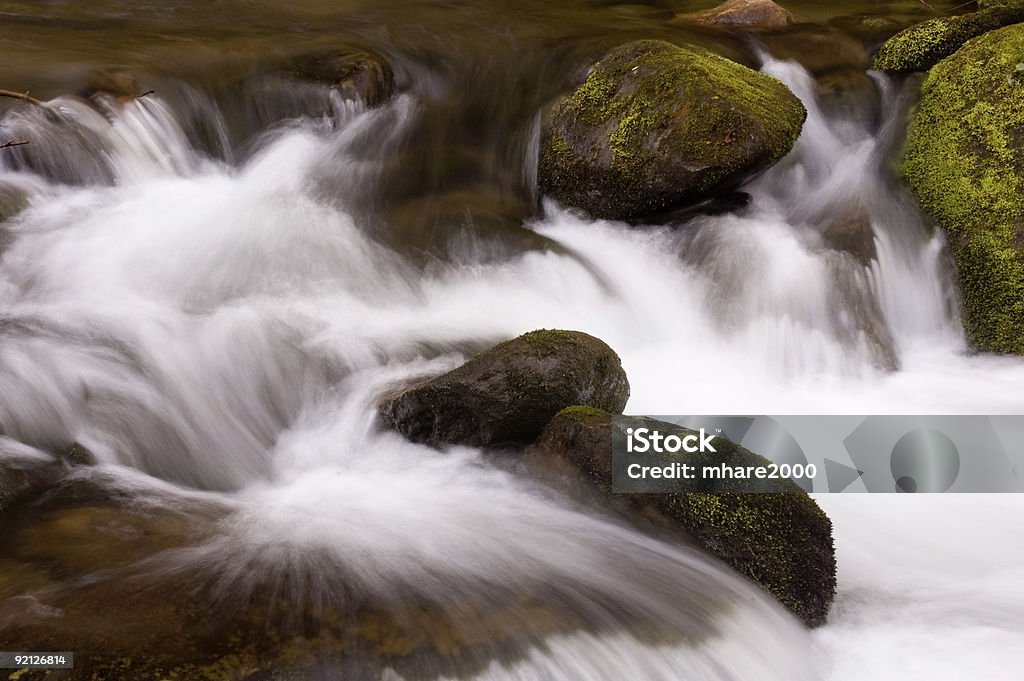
[850, 230]
[871, 30]
[464, 226]
[13, 200]
[655, 127]
[508, 393]
[114, 583]
[851, 95]
[79, 455]
[965, 163]
[356, 74]
[24, 474]
[115, 83]
[923, 45]
[781, 540]
[821, 50]
[750, 13]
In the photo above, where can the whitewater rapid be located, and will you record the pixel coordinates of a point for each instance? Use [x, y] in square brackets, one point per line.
[228, 327]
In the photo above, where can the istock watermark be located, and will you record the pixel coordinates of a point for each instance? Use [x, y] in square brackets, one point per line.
[892, 454]
[643, 440]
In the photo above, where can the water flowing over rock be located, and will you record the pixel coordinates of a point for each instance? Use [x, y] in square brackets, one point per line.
[780, 540]
[508, 393]
[657, 126]
[965, 162]
[354, 74]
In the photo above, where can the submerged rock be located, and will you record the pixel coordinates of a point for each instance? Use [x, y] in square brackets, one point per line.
[757, 13]
[656, 127]
[508, 393]
[965, 163]
[23, 476]
[780, 540]
[923, 45]
[356, 74]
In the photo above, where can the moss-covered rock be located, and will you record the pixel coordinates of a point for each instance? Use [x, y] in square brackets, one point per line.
[656, 126]
[923, 45]
[781, 539]
[508, 393]
[987, 4]
[965, 162]
[753, 13]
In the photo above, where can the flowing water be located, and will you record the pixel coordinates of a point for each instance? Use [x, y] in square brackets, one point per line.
[215, 319]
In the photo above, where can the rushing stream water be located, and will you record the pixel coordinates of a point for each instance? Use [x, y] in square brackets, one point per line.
[215, 321]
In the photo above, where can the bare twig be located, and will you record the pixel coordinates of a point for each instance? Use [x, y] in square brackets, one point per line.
[23, 96]
[147, 93]
[13, 143]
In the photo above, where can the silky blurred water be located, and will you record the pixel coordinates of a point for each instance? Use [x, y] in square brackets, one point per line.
[226, 322]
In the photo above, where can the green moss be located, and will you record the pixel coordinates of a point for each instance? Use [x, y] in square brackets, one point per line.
[965, 162]
[780, 541]
[778, 538]
[655, 124]
[923, 45]
[582, 413]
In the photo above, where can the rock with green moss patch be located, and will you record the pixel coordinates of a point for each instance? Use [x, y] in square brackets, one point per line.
[507, 394]
[923, 45]
[965, 162]
[655, 127]
[781, 539]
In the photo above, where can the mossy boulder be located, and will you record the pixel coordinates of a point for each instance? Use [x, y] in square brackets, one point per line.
[965, 162]
[655, 127]
[507, 394]
[752, 13]
[779, 539]
[923, 45]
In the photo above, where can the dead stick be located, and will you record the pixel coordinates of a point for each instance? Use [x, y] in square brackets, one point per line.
[13, 143]
[23, 96]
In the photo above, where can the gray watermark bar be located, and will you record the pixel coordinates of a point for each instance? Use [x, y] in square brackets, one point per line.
[820, 454]
[29, 660]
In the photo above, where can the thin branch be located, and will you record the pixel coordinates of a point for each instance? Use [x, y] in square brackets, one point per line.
[23, 96]
[13, 143]
[147, 93]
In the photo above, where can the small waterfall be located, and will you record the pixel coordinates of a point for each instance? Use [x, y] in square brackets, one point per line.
[223, 314]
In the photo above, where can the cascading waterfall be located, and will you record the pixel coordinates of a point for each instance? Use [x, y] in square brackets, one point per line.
[227, 327]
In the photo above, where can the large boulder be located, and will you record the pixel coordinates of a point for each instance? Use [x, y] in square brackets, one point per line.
[781, 539]
[656, 126]
[965, 162]
[923, 45]
[752, 13]
[507, 394]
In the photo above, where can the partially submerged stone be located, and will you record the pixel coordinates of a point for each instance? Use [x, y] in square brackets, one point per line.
[356, 74]
[507, 394]
[781, 540]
